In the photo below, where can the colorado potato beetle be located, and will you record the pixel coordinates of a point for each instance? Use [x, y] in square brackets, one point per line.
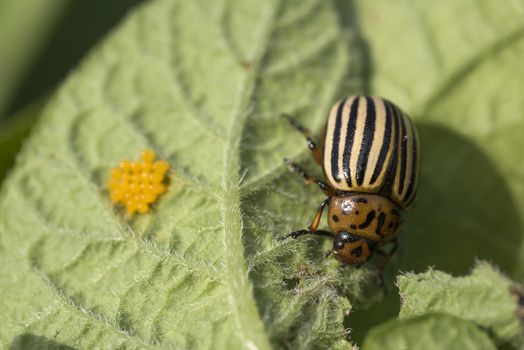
[370, 156]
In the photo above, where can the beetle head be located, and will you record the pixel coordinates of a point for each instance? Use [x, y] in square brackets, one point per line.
[351, 249]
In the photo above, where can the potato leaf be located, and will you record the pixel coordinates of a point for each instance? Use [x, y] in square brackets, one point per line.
[203, 84]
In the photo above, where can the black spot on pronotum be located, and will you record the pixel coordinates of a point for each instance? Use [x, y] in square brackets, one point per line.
[335, 218]
[360, 200]
[356, 252]
[357, 212]
[369, 219]
[380, 223]
[353, 226]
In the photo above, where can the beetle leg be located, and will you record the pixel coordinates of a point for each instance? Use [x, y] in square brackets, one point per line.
[316, 152]
[381, 266]
[296, 234]
[313, 228]
[387, 256]
[309, 180]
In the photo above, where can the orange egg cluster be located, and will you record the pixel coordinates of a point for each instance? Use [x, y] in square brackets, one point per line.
[137, 185]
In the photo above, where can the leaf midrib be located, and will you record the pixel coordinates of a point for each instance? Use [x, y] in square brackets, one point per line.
[241, 297]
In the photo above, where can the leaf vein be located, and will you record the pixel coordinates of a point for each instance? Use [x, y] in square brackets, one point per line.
[465, 70]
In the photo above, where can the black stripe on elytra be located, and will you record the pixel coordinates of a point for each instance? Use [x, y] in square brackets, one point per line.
[389, 178]
[404, 155]
[367, 140]
[410, 202]
[350, 137]
[386, 140]
[380, 222]
[410, 194]
[335, 171]
[369, 218]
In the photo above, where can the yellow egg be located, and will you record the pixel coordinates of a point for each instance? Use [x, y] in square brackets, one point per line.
[131, 206]
[156, 178]
[142, 208]
[159, 188]
[148, 156]
[125, 165]
[116, 173]
[116, 196]
[150, 197]
[161, 166]
[137, 184]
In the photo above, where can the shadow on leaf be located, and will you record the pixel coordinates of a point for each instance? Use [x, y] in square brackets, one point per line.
[464, 212]
[464, 209]
[33, 342]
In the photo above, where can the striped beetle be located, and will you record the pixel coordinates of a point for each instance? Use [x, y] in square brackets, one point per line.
[370, 156]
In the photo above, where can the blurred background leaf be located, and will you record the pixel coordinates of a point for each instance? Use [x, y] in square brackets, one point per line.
[40, 43]
[428, 332]
[484, 297]
[25, 29]
[62, 33]
[14, 131]
[482, 310]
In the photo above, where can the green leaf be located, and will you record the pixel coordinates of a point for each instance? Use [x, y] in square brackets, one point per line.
[203, 84]
[485, 298]
[428, 332]
[455, 67]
